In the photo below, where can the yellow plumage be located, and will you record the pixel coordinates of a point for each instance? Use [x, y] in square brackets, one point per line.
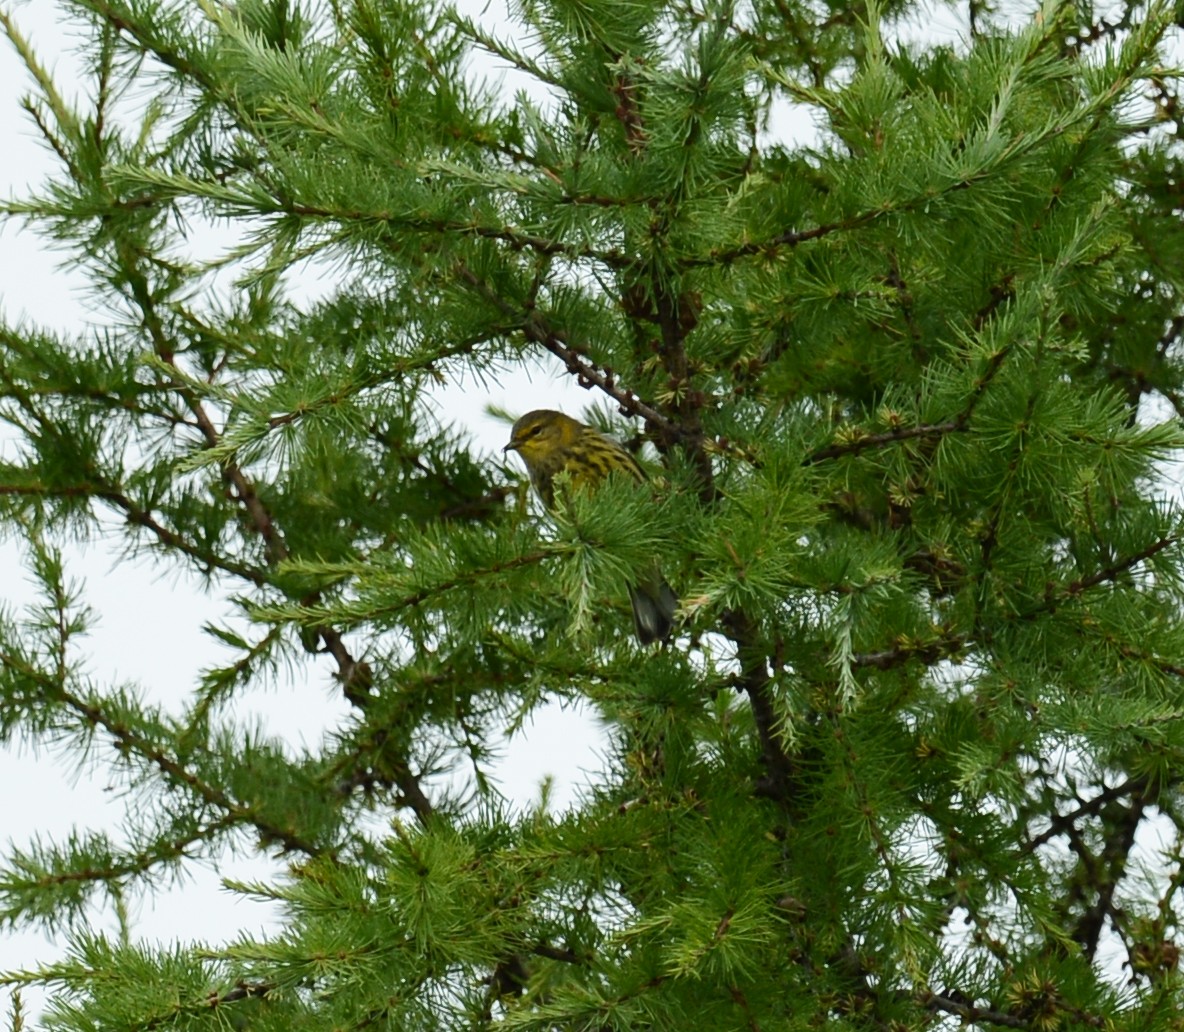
[551, 443]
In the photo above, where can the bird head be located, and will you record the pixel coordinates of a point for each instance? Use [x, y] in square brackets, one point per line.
[542, 434]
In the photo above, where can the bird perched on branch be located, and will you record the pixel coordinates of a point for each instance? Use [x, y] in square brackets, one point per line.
[551, 443]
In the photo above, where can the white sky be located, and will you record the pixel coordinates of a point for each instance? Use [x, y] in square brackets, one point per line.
[148, 633]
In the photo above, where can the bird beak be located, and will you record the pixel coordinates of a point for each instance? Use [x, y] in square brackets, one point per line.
[509, 448]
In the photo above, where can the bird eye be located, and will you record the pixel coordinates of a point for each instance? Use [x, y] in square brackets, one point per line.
[534, 431]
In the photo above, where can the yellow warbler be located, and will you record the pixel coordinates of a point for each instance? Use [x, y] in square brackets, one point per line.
[551, 443]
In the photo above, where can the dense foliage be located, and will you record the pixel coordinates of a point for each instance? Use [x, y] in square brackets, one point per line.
[908, 396]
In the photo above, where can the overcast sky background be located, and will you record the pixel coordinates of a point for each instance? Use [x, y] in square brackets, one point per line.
[148, 627]
[147, 631]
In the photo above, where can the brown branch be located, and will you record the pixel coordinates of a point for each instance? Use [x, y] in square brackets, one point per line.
[949, 644]
[994, 364]
[804, 36]
[509, 978]
[754, 679]
[863, 443]
[741, 1001]
[1054, 596]
[628, 112]
[651, 296]
[534, 328]
[931, 431]
[349, 670]
[1111, 572]
[128, 740]
[134, 864]
[1059, 824]
[418, 598]
[952, 1001]
[1104, 881]
[971, 1014]
[115, 497]
[241, 991]
[676, 315]
[928, 652]
[588, 374]
[391, 373]
[790, 239]
[564, 956]
[517, 240]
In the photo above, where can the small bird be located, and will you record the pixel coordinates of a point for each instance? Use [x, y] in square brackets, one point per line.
[551, 443]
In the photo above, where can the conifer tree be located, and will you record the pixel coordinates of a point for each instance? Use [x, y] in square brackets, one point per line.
[908, 396]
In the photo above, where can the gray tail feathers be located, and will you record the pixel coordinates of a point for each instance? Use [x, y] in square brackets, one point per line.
[654, 604]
